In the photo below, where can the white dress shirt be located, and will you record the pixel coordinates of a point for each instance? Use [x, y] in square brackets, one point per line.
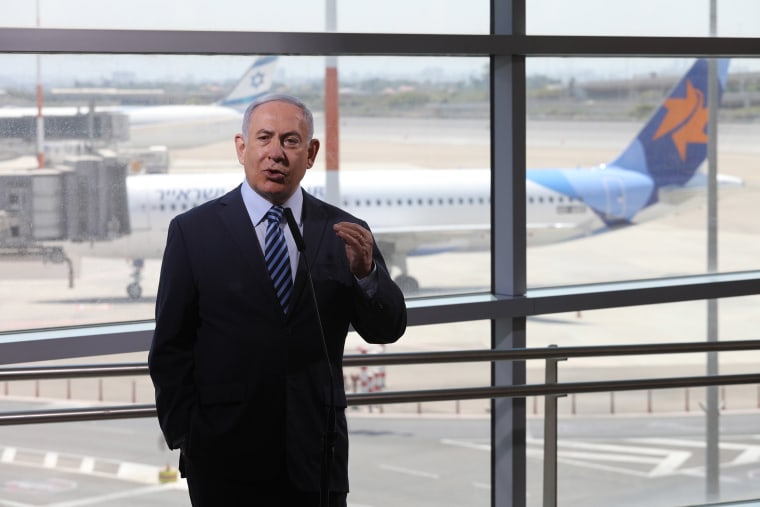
[257, 208]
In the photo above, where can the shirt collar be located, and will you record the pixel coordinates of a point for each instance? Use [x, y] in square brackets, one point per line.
[257, 206]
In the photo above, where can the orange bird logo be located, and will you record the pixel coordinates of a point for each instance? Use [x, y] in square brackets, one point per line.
[686, 119]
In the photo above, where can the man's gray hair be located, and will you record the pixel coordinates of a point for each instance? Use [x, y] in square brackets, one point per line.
[279, 97]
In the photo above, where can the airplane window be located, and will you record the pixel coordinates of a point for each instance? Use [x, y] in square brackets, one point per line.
[379, 202]
[409, 202]
[431, 202]
[369, 202]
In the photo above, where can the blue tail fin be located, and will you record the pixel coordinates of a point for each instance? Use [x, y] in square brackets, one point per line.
[673, 143]
[257, 81]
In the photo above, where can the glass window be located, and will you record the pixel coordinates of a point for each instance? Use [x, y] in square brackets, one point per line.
[363, 16]
[674, 18]
[652, 440]
[131, 141]
[626, 140]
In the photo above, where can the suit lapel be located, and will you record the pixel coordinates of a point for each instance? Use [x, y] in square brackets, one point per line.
[235, 217]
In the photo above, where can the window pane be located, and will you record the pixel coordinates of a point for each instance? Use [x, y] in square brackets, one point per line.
[686, 18]
[616, 180]
[364, 16]
[413, 158]
[401, 454]
[432, 453]
[653, 441]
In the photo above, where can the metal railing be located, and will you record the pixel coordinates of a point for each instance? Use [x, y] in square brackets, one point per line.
[551, 389]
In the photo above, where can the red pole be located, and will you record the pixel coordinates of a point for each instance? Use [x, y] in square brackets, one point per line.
[40, 124]
[332, 120]
[40, 120]
[332, 134]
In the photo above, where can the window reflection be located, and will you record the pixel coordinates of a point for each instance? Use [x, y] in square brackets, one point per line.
[619, 225]
[126, 150]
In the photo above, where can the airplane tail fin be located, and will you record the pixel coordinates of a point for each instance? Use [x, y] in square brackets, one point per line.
[257, 81]
[673, 143]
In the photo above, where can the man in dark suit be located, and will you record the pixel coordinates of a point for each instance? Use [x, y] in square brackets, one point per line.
[240, 370]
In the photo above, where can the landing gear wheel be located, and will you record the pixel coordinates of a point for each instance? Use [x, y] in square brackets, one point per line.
[134, 290]
[407, 284]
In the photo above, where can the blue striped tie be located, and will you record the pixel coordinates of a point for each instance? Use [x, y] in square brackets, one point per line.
[276, 255]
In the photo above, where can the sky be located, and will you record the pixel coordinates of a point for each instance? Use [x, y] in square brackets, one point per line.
[561, 17]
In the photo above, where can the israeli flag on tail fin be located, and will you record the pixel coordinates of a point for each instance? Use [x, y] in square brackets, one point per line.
[673, 143]
[255, 83]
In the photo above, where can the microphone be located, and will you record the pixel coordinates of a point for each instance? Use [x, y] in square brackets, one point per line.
[328, 441]
[296, 232]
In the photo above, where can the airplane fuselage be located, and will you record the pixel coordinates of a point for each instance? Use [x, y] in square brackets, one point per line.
[429, 210]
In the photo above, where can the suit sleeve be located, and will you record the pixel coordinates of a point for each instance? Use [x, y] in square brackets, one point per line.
[380, 318]
[170, 360]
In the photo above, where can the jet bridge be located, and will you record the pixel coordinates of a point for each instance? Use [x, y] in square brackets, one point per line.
[84, 199]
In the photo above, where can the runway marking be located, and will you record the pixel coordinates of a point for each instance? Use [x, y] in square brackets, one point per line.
[113, 496]
[51, 460]
[408, 471]
[600, 456]
[100, 467]
[9, 454]
[9, 503]
[88, 465]
[749, 453]
[466, 444]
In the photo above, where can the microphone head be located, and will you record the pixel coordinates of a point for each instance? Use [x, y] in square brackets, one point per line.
[294, 230]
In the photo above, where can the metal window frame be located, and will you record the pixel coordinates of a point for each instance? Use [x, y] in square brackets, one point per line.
[509, 302]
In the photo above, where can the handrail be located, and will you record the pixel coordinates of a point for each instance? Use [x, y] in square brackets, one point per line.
[465, 356]
[405, 358]
[388, 397]
[378, 398]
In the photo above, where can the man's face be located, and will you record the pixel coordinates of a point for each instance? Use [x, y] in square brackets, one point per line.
[277, 151]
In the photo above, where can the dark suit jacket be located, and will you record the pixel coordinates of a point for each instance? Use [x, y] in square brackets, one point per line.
[236, 379]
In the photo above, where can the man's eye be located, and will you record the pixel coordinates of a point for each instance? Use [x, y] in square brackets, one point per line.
[292, 141]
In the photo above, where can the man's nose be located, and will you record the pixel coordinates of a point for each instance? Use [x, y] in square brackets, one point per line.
[276, 152]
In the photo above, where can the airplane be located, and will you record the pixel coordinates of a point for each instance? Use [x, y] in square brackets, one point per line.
[441, 210]
[181, 126]
[172, 126]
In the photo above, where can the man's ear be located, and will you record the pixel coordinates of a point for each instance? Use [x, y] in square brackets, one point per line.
[240, 148]
[313, 149]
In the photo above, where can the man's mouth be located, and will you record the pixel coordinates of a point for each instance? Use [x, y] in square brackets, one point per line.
[274, 174]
